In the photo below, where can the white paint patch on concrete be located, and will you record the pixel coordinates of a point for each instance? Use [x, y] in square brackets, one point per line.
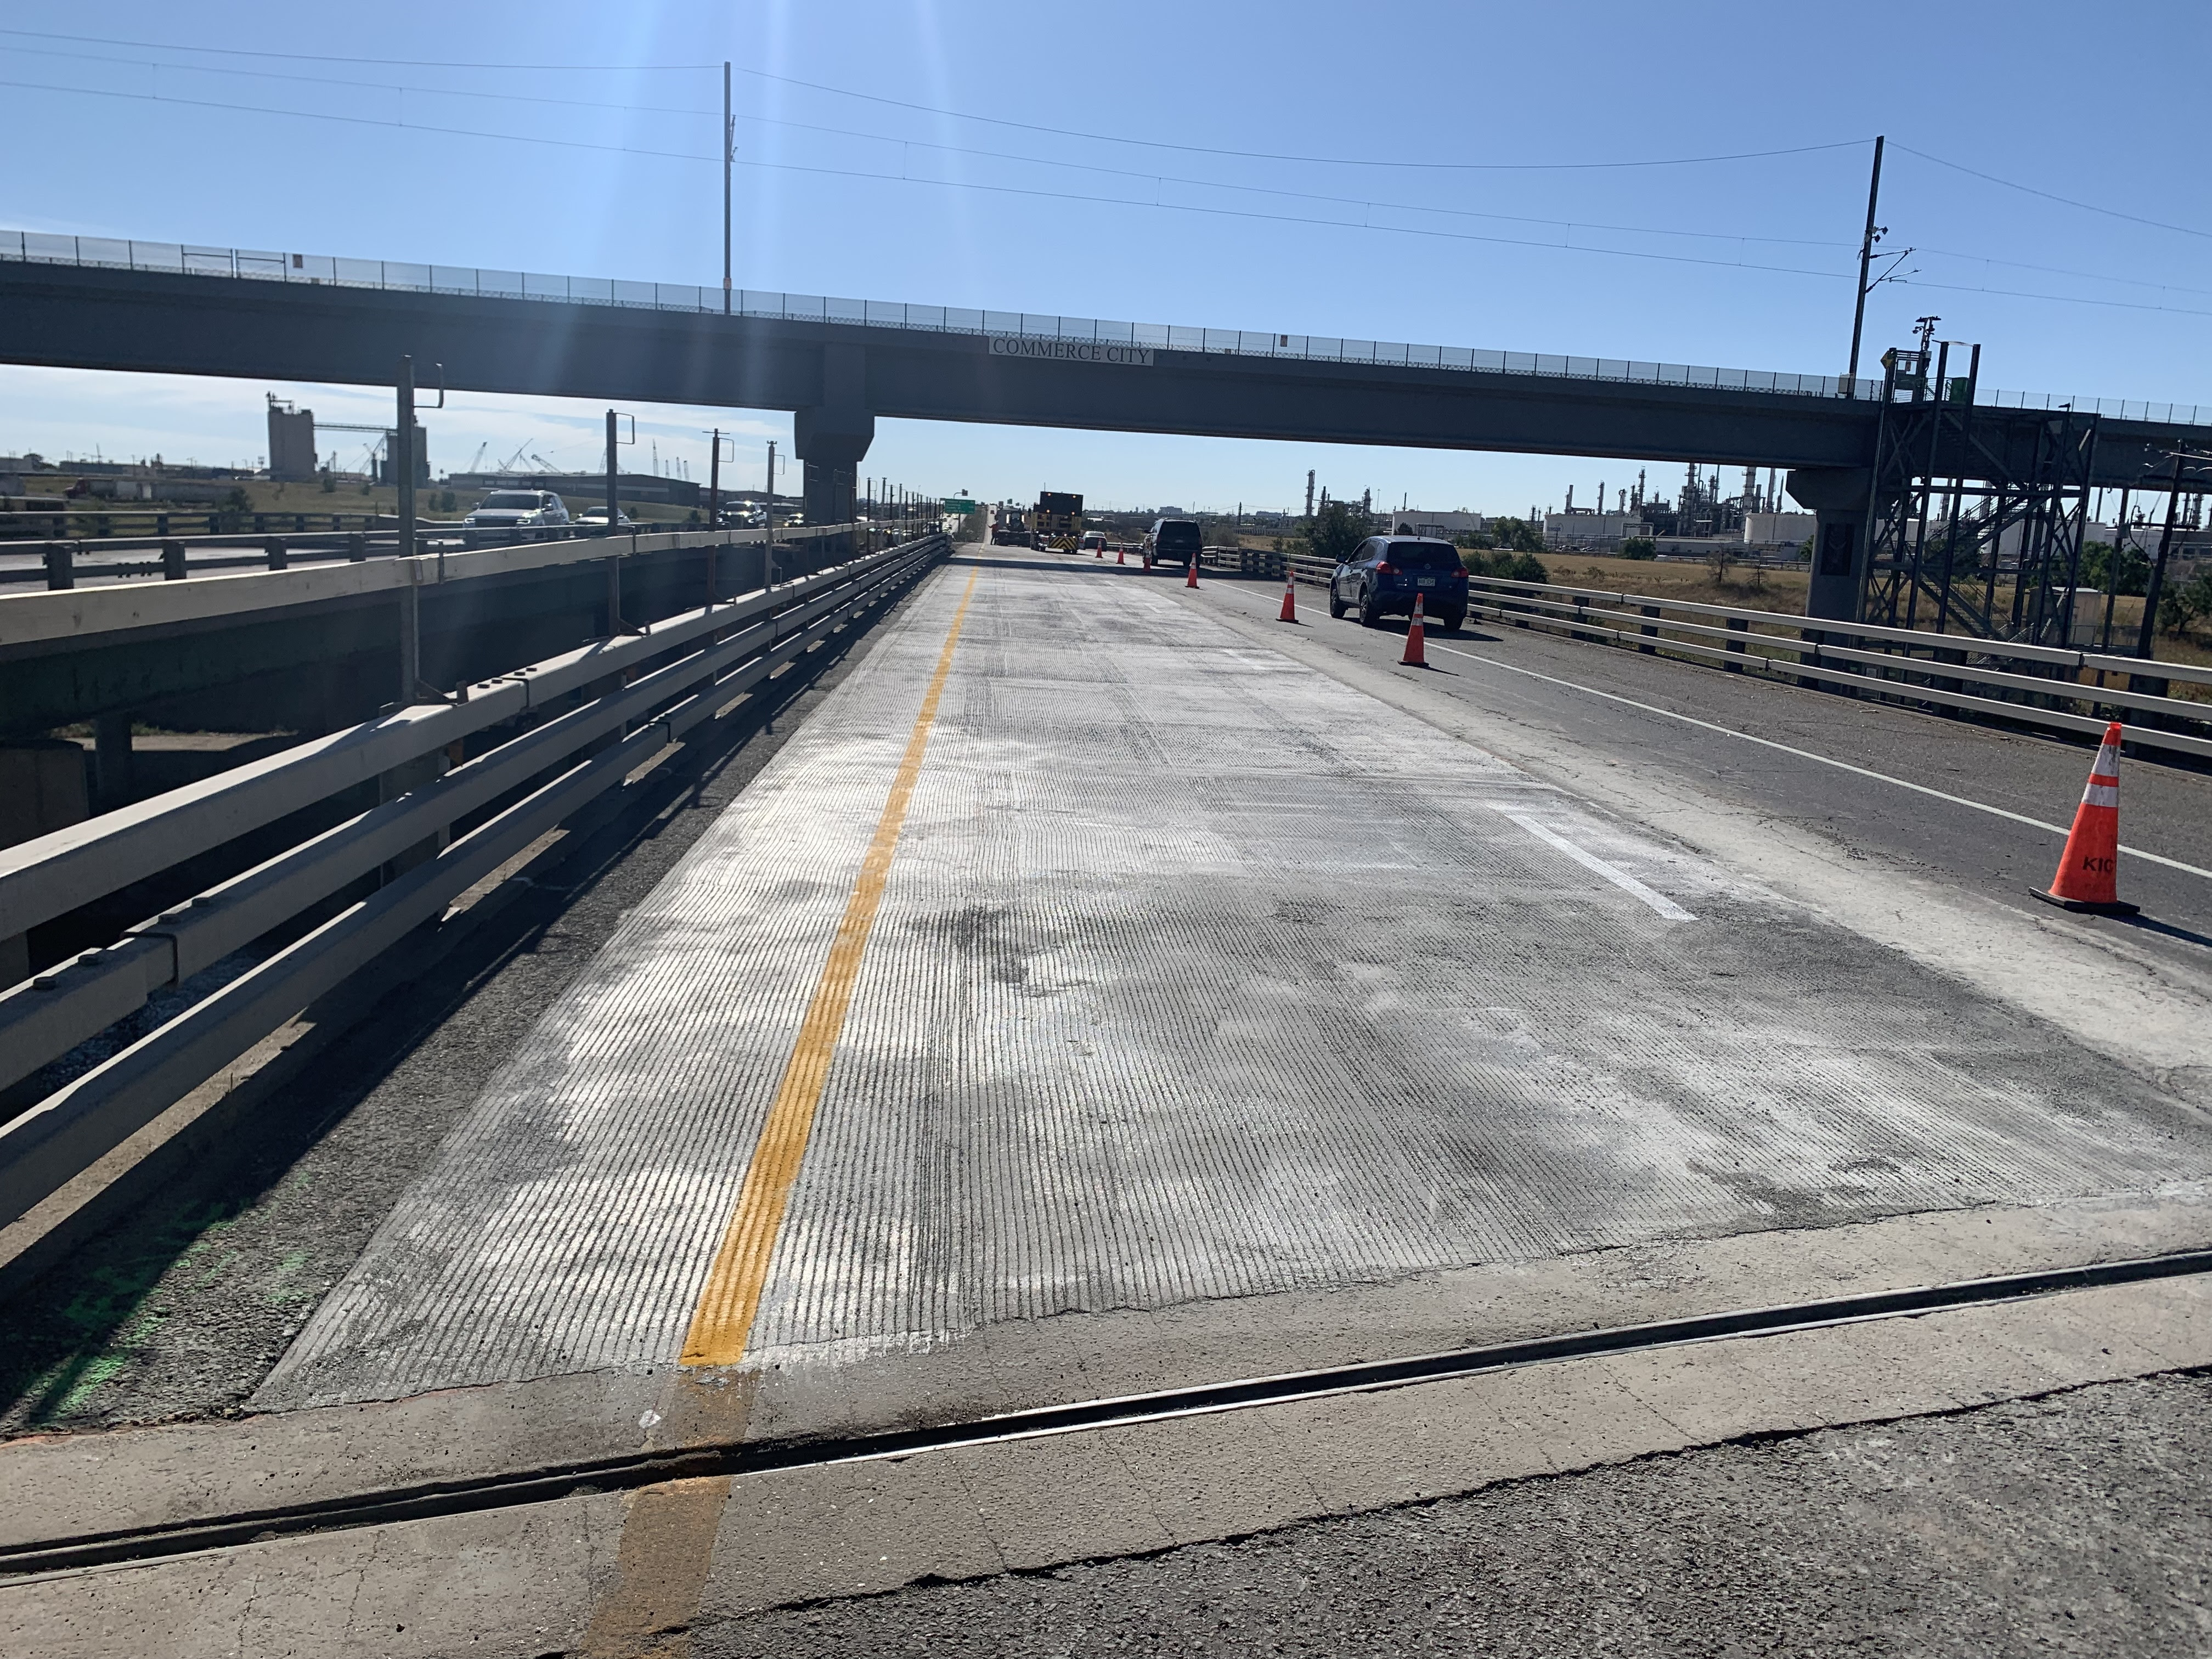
[1591, 862]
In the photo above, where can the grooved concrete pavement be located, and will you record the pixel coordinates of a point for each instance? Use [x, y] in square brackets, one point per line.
[1199, 975]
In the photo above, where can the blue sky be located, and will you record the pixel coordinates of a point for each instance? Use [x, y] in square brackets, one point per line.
[1427, 172]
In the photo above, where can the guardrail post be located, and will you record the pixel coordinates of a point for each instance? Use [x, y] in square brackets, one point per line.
[174, 567]
[1736, 625]
[1647, 631]
[404, 779]
[112, 760]
[61, 567]
[356, 547]
[274, 548]
[410, 643]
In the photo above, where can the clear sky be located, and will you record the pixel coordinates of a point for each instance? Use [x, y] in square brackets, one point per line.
[1438, 173]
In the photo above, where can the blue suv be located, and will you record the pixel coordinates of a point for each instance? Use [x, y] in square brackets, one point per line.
[1385, 572]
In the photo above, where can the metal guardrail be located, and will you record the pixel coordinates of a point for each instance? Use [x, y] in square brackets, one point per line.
[2035, 685]
[27, 529]
[572, 755]
[25, 618]
[322, 270]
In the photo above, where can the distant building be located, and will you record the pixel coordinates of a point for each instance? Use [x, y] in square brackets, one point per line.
[1433, 521]
[1777, 529]
[1586, 531]
[380, 463]
[291, 443]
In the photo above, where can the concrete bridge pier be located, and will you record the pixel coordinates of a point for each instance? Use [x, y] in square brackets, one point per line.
[1838, 497]
[832, 437]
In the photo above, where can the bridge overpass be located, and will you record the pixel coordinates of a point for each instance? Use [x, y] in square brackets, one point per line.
[840, 365]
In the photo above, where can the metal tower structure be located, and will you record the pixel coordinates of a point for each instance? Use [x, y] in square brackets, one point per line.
[1976, 515]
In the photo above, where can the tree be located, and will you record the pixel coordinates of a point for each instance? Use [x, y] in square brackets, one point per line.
[2129, 574]
[1639, 547]
[1335, 530]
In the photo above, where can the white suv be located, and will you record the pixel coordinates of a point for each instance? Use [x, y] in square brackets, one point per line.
[517, 509]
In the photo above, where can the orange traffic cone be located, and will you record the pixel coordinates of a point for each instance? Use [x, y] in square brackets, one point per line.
[2088, 870]
[1190, 571]
[1290, 612]
[1099, 552]
[1417, 654]
[1120, 555]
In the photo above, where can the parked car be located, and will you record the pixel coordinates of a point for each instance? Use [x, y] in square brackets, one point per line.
[1174, 541]
[1090, 541]
[1385, 573]
[595, 518]
[517, 509]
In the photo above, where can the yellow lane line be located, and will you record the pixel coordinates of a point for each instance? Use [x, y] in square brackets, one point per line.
[723, 1320]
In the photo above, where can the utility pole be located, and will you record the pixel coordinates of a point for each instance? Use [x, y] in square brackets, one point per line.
[714, 484]
[2158, 572]
[1309, 492]
[1866, 263]
[771, 483]
[729, 154]
[614, 488]
[403, 457]
[400, 456]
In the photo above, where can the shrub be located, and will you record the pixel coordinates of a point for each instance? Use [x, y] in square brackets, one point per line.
[1639, 547]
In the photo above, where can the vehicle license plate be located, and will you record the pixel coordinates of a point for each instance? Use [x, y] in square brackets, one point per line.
[1425, 581]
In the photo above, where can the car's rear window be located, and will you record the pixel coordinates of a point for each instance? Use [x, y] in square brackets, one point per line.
[1424, 555]
[1176, 534]
[510, 499]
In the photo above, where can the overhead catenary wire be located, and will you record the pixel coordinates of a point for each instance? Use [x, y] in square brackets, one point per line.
[601, 69]
[1368, 207]
[1129, 173]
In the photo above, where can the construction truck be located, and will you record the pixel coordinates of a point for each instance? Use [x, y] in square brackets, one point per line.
[1007, 529]
[1058, 521]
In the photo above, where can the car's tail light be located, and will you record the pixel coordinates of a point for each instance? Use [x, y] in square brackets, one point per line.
[1386, 568]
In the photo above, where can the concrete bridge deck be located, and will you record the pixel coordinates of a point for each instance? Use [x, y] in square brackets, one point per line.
[1106, 988]
[1176, 972]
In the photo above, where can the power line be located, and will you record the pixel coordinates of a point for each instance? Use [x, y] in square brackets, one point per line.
[1095, 200]
[2061, 299]
[954, 114]
[913, 144]
[891, 177]
[1569, 225]
[2087, 207]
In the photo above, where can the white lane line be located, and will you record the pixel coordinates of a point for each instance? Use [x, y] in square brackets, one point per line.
[1807, 754]
[1591, 862]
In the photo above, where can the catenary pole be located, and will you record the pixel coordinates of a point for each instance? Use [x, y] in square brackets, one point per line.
[729, 150]
[1866, 264]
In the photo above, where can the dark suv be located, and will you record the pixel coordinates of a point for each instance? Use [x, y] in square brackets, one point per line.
[1174, 541]
[1385, 573]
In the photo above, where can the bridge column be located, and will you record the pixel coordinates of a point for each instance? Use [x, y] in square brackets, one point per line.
[1837, 496]
[832, 437]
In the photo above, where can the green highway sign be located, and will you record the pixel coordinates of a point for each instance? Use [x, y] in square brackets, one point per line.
[958, 504]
